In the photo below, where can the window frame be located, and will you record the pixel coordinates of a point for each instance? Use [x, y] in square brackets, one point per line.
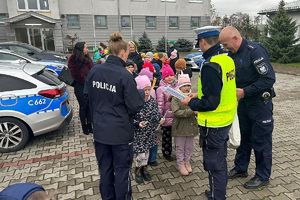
[73, 27]
[171, 27]
[29, 9]
[101, 27]
[199, 22]
[130, 22]
[155, 21]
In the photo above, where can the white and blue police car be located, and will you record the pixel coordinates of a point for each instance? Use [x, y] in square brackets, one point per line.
[33, 101]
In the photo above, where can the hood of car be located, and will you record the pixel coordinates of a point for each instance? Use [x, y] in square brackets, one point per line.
[192, 55]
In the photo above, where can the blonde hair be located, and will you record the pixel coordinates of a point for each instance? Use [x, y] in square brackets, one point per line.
[133, 43]
[116, 43]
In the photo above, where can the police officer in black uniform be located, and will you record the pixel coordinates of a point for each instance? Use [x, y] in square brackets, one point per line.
[113, 99]
[254, 78]
[216, 106]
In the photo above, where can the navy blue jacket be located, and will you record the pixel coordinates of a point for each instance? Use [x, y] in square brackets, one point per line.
[211, 80]
[20, 191]
[113, 99]
[254, 72]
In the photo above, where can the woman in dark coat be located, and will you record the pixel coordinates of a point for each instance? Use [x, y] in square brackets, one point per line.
[80, 64]
[135, 56]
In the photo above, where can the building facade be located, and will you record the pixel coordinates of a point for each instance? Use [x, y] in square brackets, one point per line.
[56, 24]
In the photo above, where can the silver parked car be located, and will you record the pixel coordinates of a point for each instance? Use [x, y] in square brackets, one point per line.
[8, 56]
[32, 102]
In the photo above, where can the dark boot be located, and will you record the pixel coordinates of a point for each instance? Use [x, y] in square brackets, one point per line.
[138, 175]
[85, 129]
[146, 175]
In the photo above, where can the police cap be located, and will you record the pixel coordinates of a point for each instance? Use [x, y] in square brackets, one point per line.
[207, 31]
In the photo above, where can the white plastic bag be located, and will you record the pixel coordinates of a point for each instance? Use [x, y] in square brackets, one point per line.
[234, 134]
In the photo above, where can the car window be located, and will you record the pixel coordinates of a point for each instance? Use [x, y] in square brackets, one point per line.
[19, 49]
[5, 56]
[10, 83]
[47, 78]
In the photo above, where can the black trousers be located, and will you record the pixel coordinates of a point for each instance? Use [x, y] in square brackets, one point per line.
[84, 111]
[214, 159]
[114, 163]
[166, 141]
[256, 125]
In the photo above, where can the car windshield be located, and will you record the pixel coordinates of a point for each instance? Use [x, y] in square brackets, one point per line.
[32, 57]
[33, 48]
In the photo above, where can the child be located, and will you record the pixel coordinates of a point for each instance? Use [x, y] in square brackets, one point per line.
[131, 67]
[184, 127]
[164, 105]
[145, 123]
[180, 67]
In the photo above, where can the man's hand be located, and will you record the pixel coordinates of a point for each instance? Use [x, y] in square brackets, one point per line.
[186, 100]
[240, 93]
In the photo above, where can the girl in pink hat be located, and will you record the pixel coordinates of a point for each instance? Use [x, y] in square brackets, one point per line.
[164, 105]
[184, 127]
[146, 122]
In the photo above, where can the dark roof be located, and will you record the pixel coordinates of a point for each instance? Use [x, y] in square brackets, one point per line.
[289, 7]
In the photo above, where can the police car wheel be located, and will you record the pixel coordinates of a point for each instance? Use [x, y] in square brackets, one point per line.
[14, 135]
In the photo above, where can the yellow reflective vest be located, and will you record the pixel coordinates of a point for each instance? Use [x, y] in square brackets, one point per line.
[224, 114]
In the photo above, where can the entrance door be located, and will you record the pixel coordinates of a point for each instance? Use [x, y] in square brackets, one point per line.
[38, 37]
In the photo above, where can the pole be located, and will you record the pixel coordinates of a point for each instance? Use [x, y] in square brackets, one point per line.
[166, 27]
[93, 20]
[118, 6]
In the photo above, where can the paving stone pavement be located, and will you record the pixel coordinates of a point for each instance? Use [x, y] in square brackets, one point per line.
[64, 162]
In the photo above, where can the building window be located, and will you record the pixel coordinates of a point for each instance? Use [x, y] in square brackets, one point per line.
[195, 1]
[125, 21]
[3, 16]
[150, 22]
[168, 0]
[73, 21]
[44, 5]
[195, 22]
[21, 4]
[100, 21]
[173, 22]
[33, 4]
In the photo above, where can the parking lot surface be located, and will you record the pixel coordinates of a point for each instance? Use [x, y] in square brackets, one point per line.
[64, 161]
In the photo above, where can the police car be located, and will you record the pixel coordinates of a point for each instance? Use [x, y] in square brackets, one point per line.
[8, 56]
[32, 102]
[194, 60]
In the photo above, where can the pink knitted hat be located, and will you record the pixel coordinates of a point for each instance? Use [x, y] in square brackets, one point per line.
[146, 72]
[183, 80]
[142, 81]
[167, 71]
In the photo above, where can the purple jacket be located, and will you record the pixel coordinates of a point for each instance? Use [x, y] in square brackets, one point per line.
[164, 102]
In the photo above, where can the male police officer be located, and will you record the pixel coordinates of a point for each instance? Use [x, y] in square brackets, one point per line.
[254, 78]
[216, 106]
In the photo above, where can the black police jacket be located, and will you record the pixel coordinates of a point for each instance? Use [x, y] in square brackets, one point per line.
[113, 99]
[254, 72]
